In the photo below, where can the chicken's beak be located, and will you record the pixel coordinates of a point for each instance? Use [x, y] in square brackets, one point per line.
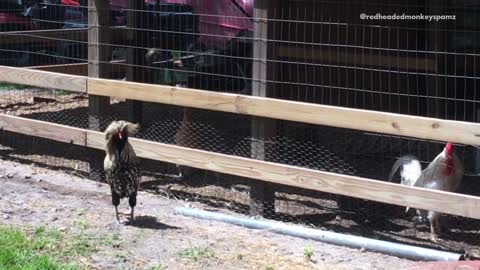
[120, 135]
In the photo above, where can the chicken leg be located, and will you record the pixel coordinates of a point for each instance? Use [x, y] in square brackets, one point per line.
[116, 202]
[132, 201]
[433, 217]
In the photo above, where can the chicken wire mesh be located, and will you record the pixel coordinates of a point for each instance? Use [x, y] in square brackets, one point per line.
[317, 52]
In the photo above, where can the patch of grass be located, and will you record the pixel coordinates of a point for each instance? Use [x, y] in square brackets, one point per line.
[11, 86]
[197, 253]
[42, 248]
[308, 253]
[82, 224]
[80, 246]
[112, 240]
[46, 240]
[63, 92]
[121, 256]
[269, 268]
[158, 266]
[18, 250]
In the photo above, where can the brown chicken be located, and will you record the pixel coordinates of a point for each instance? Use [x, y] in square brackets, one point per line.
[122, 165]
[186, 136]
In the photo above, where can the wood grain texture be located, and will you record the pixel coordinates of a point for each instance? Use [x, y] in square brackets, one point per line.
[262, 195]
[445, 202]
[99, 34]
[372, 121]
[80, 69]
[43, 79]
[43, 129]
[98, 55]
[451, 203]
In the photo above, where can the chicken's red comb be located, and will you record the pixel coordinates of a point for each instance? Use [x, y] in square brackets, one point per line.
[449, 148]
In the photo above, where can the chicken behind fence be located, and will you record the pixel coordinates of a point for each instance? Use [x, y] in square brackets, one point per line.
[444, 173]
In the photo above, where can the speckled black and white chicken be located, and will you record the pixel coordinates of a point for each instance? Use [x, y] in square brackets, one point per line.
[122, 165]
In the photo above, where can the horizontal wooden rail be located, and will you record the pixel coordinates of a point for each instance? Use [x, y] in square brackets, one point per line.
[43, 79]
[456, 204]
[372, 121]
[450, 203]
[79, 69]
[365, 120]
[43, 129]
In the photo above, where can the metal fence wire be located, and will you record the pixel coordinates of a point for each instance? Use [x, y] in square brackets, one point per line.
[310, 51]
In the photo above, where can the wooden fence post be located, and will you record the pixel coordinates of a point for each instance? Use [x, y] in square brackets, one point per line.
[98, 57]
[135, 57]
[262, 194]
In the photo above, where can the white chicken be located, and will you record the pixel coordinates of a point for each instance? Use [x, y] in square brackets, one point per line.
[445, 173]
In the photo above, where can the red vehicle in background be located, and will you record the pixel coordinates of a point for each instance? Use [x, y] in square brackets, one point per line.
[219, 20]
[207, 35]
[28, 15]
[14, 22]
[216, 49]
[11, 19]
[211, 37]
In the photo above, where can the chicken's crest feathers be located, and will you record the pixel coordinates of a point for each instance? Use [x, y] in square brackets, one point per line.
[131, 128]
[119, 126]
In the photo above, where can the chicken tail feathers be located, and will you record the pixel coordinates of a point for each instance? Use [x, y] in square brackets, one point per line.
[410, 170]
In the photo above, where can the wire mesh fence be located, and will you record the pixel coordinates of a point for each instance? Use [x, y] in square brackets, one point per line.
[318, 52]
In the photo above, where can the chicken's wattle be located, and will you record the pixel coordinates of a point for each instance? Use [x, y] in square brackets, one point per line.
[450, 166]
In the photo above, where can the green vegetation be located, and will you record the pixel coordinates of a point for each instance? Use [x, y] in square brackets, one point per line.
[197, 253]
[63, 92]
[308, 252]
[81, 224]
[112, 240]
[158, 267]
[19, 250]
[42, 248]
[10, 86]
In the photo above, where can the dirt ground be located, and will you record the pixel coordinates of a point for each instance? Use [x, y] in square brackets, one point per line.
[317, 210]
[34, 196]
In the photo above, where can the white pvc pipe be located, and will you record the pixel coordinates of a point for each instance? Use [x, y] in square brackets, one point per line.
[400, 250]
